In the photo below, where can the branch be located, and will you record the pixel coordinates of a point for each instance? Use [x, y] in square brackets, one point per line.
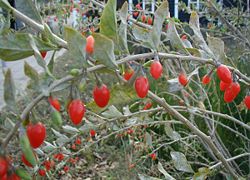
[230, 159]
[194, 129]
[229, 25]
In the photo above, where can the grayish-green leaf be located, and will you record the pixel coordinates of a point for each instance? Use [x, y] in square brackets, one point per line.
[108, 21]
[216, 45]
[28, 8]
[5, 4]
[112, 112]
[175, 39]
[31, 72]
[17, 46]
[159, 17]
[77, 45]
[70, 129]
[171, 133]
[104, 51]
[123, 28]
[148, 139]
[9, 90]
[180, 162]
[198, 37]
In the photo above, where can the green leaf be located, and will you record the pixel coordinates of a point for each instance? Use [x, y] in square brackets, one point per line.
[23, 174]
[108, 21]
[28, 8]
[180, 162]
[27, 150]
[76, 44]
[160, 15]
[164, 172]
[123, 28]
[56, 118]
[17, 46]
[31, 72]
[104, 51]
[9, 90]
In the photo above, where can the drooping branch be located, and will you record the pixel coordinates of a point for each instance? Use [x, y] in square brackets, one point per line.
[195, 130]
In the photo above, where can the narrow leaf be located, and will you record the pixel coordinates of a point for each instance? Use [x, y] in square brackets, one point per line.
[27, 150]
[31, 72]
[22, 173]
[9, 90]
[160, 15]
[123, 28]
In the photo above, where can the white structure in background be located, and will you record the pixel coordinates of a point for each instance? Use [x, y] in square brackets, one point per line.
[75, 16]
[144, 2]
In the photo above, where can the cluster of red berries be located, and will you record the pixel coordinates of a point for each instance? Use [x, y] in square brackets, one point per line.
[143, 18]
[5, 173]
[141, 83]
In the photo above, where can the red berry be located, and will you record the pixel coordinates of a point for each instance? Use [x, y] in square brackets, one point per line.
[66, 168]
[90, 42]
[143, 18]
[141, 86]
[73, 147]
[153, 156]
[184, 37]
[48, 164]
[247, 101]
[14, 177]
[76, 111]
[156, 69]
[138, 6]
[183, 79]
[224, 86]
[128, 74]
[78, 141]
[101, 95]
[166, 26]
[92, 132]
[147, 106]
[3, 166]
[72, 160]
[4, 177]
[43, 54]
[150, 21]
[59, 156]
[25, 161]
[55, 103]
[130, 131]
[231, 92]
[224, 73]
[36, 134]
[135, 14]
[206, 79]
[42, 172]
